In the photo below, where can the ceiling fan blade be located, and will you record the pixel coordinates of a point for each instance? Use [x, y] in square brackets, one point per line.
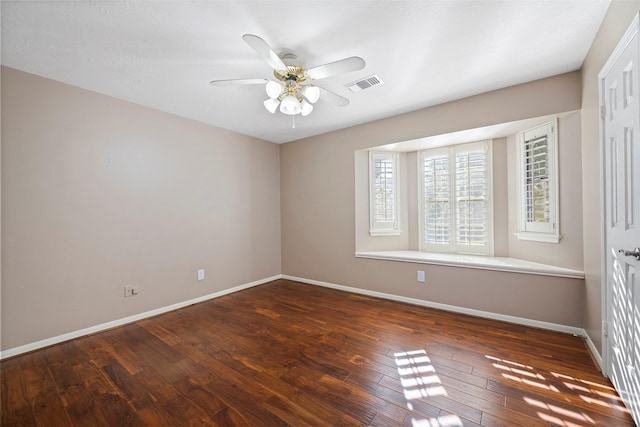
[265, 51]
[333, 98]
[238, 82]
[346, 65]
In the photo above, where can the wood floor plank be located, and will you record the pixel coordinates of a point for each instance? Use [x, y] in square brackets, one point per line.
[116, 411]
[609, 409]
[43, 396]
[153, 327]
[291, 354]
[356, 395]
[419, 407]
[444, 418]
[78, 402]
[180, 408]
[434, 398]
[113, 407]
[134, 391]
[536, 406]
[199, 396]
[292, 413]
[242, 401]
[381, 420]
[16, 408]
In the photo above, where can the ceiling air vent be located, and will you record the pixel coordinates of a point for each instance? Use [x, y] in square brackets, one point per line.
[365, 83]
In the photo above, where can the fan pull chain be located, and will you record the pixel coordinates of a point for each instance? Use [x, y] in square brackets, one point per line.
[293, 122]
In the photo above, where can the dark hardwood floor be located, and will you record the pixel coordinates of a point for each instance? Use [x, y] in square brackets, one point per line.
[287, 353]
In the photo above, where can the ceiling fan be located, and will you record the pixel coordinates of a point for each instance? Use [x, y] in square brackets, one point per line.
[294, 90]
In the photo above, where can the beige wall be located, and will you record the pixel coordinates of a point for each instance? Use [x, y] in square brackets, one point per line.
[318, 212]
[616, 22]
[98, 193]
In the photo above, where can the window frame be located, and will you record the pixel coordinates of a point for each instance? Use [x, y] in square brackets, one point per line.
[384, 228]
[453, 247]
[535, 231]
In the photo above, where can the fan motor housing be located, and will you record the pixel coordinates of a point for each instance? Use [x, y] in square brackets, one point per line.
[293, 72]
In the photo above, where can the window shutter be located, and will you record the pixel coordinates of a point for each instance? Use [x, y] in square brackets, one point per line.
[537, 151]
[437, 211]
[383, 194]
[384, 205]
[455, 206]
[471, 198]
[536, 161]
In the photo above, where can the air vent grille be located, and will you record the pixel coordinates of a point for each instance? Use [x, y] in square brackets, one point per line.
[365, 83]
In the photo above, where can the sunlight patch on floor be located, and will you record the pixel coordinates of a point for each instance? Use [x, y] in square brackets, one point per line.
[412, 365]
[418, 379]
[588, 391]
[568, 416]
[530, 382]
[444, 421]
[521, 373]
[592, 392]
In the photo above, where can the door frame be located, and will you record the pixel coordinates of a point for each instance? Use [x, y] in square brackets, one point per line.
[624, 42]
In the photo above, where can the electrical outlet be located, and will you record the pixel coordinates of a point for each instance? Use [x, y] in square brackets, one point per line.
[130, 291]
[201, 274]
[420, 276]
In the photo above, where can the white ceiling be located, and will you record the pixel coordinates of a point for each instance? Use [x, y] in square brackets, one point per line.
[163, 54]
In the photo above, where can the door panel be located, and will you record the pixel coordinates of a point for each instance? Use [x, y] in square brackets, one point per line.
[621, 120]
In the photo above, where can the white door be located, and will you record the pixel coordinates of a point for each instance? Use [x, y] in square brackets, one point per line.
[621, 154]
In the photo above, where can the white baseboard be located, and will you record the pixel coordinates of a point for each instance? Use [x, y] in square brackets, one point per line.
[594, 352]
[486, 314]
[119, 322]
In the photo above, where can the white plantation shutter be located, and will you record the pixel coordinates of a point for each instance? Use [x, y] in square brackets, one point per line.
[538, 184]
[471, 198]
[456, 199]
[383, 186]
[536, 179]
[437, 197]
[384, 190]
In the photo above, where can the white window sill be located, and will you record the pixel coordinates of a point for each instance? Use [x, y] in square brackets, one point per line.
[474, 261]
[375, 233]
[538, 237]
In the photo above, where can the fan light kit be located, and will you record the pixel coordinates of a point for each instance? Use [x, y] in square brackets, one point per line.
[292, 91]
